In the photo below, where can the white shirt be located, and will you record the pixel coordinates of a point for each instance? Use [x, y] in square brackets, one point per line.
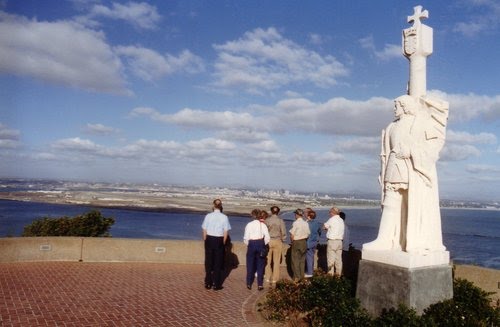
[300, 229]
[335, 228]
[256, 230]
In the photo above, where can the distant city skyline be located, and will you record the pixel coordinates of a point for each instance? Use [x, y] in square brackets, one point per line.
[262, 94]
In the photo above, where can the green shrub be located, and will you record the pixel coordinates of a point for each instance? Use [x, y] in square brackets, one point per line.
[283, 302]
[328, 301]
[470, 306]
[87, 225]
[402, 316]
[324, 300]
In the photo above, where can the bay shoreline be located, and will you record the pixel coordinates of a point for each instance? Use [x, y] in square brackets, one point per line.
[181, 203]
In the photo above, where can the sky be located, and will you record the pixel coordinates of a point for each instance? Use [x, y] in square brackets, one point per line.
[245, 94]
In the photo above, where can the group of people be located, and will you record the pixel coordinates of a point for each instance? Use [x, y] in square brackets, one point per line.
[305, 237]
[265, 236]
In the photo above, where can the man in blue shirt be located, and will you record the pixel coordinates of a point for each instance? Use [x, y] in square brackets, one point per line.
[312, 241]
[215, 233]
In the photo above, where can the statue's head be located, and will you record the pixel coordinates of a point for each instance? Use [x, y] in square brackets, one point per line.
[407, 104]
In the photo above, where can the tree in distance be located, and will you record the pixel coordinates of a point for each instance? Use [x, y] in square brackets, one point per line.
[91, 224]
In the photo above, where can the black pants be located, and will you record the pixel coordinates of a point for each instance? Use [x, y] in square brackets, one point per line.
[214, 260]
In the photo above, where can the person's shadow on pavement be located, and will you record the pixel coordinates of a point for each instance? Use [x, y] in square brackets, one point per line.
[231, 260]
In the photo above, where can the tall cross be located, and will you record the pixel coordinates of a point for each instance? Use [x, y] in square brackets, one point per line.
[418, 15]
[417, 46]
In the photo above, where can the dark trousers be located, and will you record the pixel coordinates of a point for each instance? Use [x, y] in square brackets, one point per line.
[214, 260]
[311, 251]
[255, 264]
[299, 249]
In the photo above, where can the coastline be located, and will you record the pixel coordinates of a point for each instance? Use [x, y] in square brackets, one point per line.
[161, 202]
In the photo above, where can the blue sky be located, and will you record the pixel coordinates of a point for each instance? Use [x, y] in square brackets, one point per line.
[267, 94]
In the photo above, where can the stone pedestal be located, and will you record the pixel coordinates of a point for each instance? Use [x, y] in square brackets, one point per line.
[386, 286]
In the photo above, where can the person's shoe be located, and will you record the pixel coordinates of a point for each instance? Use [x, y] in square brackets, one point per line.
[218, 288]
[208, 286]
[249, 287]
[268, 281]
[260, 288]
[308, 276]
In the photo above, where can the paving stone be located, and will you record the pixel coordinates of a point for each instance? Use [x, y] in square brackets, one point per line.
[121, 294]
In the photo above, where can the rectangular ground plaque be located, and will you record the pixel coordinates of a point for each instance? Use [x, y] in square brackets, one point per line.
[160, 249]
[45, 247]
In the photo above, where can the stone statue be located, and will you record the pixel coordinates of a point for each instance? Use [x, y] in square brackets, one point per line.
[411, 219]
[407, 262]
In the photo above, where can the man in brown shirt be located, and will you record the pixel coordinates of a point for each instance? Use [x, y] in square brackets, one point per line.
[277, 231]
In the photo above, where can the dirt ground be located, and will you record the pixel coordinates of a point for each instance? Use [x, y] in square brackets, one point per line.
[485, 278]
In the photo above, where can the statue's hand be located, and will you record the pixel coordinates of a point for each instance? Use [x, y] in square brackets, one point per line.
[404, 153]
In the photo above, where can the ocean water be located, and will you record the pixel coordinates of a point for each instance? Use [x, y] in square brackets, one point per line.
[471, 236]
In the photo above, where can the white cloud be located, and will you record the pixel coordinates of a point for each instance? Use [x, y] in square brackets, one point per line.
[360, 145]
[337, 116]
[292, 94]
[265, 146]
[9, 138]
[316, 159]
[45, 156]
[389, 51]
[244, 135]
[485, 20]
[8, 144]
[7, 133]
[59, 52]
[453, 152]
[315, 39]
[263, 60]
[150, 65]
[465, 107]
[139, 14]
[211, 144]
[211, 120]
[209, 153]
[143, 111]
[77, 144]
[480, 169]
[467, 138]
[200, 118]
[155, 145]
[99, 129]
[144, 150]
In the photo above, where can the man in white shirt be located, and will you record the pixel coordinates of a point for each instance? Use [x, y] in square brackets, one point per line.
[215, 232]
[335, 235]
[298, 235]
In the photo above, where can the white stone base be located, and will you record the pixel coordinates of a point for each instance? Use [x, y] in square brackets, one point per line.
[407, 260]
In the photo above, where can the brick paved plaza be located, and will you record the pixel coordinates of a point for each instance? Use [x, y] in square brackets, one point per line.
[122, 294]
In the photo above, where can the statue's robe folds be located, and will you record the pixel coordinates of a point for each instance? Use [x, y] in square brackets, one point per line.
[423, 233]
